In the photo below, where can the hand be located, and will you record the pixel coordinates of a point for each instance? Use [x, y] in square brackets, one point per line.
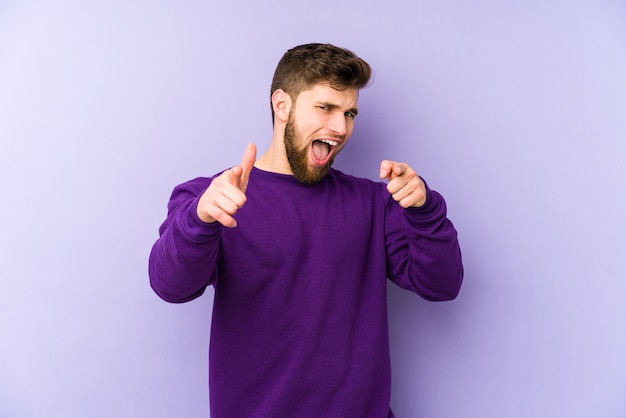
[405, 186]
[227, 192]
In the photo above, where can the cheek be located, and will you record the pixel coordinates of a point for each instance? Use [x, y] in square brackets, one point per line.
[349, 130]
[306, 127]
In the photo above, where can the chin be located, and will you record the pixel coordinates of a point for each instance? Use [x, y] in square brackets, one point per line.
[310, 174]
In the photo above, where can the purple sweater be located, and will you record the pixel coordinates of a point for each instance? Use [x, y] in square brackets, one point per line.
[299, 325]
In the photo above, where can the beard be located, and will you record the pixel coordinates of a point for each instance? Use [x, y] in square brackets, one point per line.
[299, 158]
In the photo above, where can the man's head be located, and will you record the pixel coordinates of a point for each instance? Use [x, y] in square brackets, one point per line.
[314, 103]
[306, 65]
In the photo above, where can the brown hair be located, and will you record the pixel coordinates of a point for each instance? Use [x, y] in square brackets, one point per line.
[305, 65]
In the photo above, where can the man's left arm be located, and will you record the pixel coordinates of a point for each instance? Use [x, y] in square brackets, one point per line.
[422, 246]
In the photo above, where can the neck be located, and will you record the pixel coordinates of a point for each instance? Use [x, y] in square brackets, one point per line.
[275, 158]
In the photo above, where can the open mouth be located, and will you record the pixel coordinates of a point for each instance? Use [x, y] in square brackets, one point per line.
[322, 150]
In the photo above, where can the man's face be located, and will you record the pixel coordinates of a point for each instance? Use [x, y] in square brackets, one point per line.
[318, 127]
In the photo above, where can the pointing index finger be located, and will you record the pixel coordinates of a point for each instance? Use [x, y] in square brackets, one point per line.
[391, 169]
[385, 169]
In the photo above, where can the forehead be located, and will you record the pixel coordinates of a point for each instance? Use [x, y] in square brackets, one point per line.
[324, 93]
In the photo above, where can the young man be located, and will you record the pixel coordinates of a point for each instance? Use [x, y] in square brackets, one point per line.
[298, 254]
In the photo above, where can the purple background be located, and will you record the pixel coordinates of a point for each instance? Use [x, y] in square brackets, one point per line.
[515, 111]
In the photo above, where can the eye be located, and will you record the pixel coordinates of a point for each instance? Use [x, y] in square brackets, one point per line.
[350, 115]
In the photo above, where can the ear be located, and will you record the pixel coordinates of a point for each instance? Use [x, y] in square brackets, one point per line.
[281, 103]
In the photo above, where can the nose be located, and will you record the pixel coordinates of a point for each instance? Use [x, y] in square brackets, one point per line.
[338, 124]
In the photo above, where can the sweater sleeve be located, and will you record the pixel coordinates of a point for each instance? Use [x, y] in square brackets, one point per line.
[184, 259]
[423, 253]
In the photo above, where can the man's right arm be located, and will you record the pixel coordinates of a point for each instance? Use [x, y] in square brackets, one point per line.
[184, 259]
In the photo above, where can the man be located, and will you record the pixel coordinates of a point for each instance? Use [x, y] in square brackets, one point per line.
[298, 254]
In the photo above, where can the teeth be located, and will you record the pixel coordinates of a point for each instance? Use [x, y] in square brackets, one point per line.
[330, 142]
